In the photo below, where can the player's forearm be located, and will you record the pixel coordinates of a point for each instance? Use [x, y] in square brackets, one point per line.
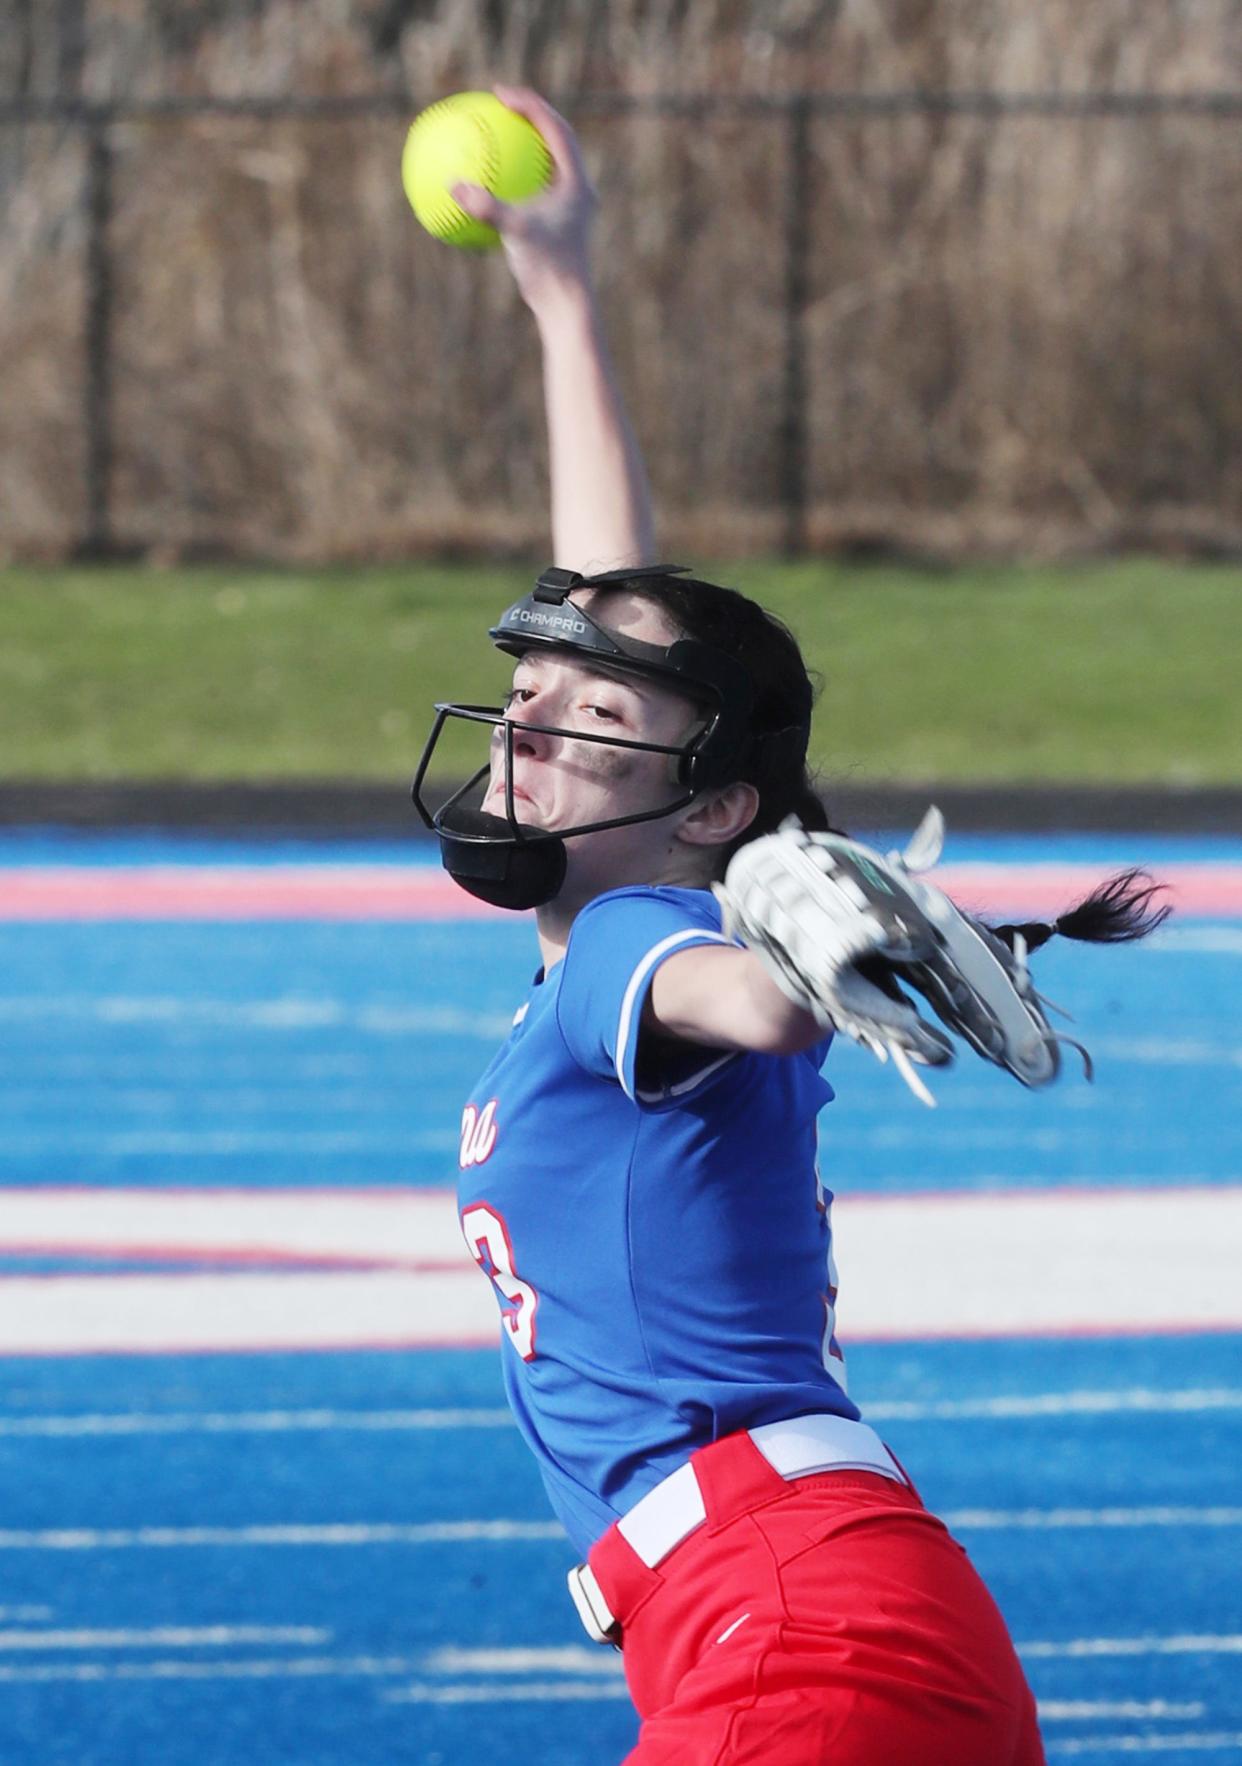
[601, 502]
[722, 997]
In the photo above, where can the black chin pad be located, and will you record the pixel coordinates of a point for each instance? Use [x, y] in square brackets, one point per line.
[482, 857]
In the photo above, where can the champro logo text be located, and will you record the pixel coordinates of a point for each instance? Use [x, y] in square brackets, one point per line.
[558, 622]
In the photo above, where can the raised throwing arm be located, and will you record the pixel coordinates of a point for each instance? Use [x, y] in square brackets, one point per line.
[601, 502]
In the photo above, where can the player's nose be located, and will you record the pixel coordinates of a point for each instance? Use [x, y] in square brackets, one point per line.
[521, 713]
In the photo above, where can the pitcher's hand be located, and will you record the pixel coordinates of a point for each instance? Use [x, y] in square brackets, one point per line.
[547, 239]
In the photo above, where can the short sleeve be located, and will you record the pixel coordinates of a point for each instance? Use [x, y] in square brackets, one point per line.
[618, 942]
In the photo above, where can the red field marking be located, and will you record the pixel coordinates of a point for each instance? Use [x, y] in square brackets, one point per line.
[418, 892]
[211, 892]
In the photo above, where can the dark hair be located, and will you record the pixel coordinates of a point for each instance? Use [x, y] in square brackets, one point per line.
[784, 694]
[1117, 912]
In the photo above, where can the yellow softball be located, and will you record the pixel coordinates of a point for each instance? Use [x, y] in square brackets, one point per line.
[470, 138]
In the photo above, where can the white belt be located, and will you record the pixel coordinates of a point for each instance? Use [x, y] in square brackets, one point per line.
[659, 1521]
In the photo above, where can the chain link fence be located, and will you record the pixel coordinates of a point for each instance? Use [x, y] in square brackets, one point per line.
[939, 323]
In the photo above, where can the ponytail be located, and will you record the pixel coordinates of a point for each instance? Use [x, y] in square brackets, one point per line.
[1119, 911]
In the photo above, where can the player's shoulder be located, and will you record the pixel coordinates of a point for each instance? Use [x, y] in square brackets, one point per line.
[661, 907]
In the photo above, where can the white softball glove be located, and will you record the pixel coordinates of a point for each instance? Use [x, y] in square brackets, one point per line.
[840, 927]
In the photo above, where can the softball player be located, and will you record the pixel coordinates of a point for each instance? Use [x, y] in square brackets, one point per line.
[638, 1163]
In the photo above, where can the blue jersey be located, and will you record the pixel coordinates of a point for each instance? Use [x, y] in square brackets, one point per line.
[651, 1217]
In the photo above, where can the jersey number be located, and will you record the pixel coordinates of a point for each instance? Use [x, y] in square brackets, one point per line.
[487, 1239]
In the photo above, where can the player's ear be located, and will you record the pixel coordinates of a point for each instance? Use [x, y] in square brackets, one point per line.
[718, 817]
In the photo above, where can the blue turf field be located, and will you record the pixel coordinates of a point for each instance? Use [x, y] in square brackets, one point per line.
[348, 1557]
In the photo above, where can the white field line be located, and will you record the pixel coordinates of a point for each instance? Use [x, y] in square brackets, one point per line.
[130, 1082]
[1214, 1742]
[369, 1533]
[566, 1659]
[600, 1676]
[228, 1143]
[1078, 1710]
[1193, 1401]
[485, 1693]
[1221, 940]
[474, 1692]
[1054, 1404]
[579, 1659]
[519, 1692]
[306, 1014]
[470, 1693]
[278, 1668]
[164, 1637]
[290, 1013]
[294, 1012]
[325, 1534]
[1057, 1260]
[923, 1266]
[185, 1314]
[390, 1226]
[1184, 1644]
[1156, 1051]
[262, 1422]
[1054, 1519]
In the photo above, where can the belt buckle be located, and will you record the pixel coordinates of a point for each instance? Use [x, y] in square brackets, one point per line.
[593, 1609]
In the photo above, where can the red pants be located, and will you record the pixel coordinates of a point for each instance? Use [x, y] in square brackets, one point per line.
[829, 1619]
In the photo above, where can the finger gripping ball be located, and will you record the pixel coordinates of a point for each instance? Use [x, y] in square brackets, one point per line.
[470, 138]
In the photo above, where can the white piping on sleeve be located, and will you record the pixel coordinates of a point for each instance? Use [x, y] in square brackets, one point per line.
[654, 956]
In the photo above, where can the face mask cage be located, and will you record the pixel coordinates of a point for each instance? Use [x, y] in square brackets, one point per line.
[441, 820]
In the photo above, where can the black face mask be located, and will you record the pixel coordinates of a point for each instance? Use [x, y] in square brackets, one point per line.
[495, 857]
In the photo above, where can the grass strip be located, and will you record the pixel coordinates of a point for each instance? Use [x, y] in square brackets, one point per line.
[1126, 671]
